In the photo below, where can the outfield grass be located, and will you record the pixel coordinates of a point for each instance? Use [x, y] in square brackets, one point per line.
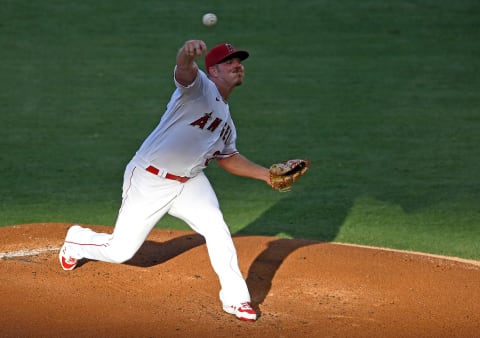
[382, 96]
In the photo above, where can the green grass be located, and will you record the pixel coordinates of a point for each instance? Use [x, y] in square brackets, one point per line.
[382, 97]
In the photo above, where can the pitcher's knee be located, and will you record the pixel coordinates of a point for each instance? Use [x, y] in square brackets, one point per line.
[121, 255]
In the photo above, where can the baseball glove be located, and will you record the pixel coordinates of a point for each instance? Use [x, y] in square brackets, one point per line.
[283, 174]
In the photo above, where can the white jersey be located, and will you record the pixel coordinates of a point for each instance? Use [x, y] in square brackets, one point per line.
[195, 128]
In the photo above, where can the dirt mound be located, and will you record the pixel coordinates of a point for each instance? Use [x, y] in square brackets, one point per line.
[300, 288]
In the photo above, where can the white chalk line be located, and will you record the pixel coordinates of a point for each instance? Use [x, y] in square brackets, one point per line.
[25, 253]
[34, 252]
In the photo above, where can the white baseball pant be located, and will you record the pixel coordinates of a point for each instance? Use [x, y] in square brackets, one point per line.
[146, 199]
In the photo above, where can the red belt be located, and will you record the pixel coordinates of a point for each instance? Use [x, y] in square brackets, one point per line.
[155, 171]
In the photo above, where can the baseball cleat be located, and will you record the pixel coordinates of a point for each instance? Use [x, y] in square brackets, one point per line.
[66, 261]
[243, 311]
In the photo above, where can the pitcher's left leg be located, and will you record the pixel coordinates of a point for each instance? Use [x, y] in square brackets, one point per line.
[198, 206]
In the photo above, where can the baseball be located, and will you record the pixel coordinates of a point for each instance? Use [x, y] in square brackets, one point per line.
[209, 19]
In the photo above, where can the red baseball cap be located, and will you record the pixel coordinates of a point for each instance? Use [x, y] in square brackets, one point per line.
[222, 52]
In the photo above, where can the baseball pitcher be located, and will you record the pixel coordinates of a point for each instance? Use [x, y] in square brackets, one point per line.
[166, 173]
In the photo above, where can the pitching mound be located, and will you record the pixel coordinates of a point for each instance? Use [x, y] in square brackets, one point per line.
[300, 288]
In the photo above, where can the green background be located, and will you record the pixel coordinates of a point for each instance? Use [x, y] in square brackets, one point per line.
[382, 97]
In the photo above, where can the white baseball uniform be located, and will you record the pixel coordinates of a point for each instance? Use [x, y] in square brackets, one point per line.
[196, 128]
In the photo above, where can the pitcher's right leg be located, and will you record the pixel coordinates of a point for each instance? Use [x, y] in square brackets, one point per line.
[146, 198]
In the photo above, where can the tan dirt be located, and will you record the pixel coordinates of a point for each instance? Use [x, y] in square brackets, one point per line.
[300, 288]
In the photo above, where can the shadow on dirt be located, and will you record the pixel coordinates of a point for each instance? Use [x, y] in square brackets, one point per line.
[260, 274]
[153, 253]
[265, 266]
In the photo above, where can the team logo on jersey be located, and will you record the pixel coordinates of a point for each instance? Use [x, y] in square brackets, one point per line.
[203, 121]
[211, 126]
